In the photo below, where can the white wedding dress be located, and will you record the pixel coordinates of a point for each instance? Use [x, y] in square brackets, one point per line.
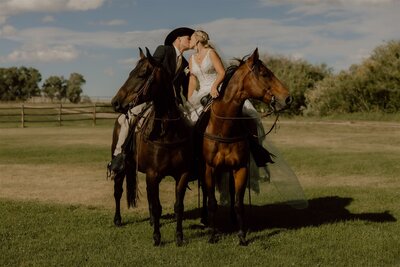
[206, 75]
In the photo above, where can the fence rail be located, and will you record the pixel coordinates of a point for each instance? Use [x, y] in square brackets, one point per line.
[60, 114]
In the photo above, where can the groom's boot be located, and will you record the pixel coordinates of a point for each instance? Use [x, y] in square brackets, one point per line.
[117, 164]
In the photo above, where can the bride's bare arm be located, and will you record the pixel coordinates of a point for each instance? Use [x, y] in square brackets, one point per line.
[219, 68]
[192, 81]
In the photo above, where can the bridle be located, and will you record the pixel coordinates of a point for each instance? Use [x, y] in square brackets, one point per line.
[240, 138]
[143, 91]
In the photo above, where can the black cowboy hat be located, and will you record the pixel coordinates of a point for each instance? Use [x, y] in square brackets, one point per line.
[183, 31]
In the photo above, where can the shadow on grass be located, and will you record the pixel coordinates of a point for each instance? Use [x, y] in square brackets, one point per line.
[324, 210]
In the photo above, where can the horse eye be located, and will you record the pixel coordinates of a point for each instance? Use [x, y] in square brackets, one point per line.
[143, 74]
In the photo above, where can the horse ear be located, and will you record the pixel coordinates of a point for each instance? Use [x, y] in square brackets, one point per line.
[141, 53]
[151, 58]
[148, 54]
[254, 57]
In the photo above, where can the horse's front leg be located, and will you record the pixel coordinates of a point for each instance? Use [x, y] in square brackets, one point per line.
[155, 209]
[180, 190]
[118, 181]
[204, 208]
[212, 201]
[240, 178]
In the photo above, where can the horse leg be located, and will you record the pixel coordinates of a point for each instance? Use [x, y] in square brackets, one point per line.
[154, 206]
[231, 183]
[180, 190]
[118, 181]
[212, 201]
[204, 209]
[240, 188]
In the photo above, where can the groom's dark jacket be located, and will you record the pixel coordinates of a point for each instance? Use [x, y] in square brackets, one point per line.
[166, 55]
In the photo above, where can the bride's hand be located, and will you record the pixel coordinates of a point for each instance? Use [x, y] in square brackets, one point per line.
[214, 92]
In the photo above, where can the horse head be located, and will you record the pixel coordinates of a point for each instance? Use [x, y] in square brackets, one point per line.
[262, 84]
[139, 85]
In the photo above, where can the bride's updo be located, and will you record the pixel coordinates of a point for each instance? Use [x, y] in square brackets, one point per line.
[202, 37]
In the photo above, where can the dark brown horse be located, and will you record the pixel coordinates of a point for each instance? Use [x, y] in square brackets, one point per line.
[163, 143]
[225, 143]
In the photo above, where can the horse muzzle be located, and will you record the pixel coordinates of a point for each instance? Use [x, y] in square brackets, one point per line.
[118, 106]
[280, 105]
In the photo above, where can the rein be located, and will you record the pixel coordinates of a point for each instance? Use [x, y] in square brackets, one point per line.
[143, 89]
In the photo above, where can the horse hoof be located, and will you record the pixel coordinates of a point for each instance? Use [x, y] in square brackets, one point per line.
[118, 222]
[213, 240]
[204, 222]
[243, 242]
[157, 240]
[179, 240]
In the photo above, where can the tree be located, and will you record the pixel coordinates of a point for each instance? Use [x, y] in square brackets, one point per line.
[374, 85]
[19, 83]
[55, 86]
[299, 76]
[74, 89]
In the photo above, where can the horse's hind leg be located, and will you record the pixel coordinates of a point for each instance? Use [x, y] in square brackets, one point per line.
[212, 202]
[240, 188]
[118, 181]
[154, 207]
[180, 191]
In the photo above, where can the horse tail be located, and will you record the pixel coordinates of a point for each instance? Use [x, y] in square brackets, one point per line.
[132, 190]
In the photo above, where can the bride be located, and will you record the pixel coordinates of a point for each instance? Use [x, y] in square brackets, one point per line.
[206, 73]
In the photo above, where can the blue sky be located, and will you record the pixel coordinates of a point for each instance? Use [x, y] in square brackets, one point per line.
[100, 38]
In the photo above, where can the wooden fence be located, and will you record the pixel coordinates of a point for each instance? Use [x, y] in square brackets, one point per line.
[58, 114]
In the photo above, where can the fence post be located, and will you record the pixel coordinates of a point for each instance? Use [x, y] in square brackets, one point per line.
[59, 115]
[22, 116]
[94, 114]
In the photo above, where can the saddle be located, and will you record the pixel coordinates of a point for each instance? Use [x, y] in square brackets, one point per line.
[143, 122]
[261, 155]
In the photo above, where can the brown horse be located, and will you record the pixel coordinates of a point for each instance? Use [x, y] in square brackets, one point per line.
[225, 143]
[163, 143]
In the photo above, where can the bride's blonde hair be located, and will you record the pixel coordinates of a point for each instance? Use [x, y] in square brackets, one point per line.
[203, 38]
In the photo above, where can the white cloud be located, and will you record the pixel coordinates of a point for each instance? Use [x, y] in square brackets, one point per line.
[47, 19]
[325, 2]
[42, 54]
[114, 22]
[109, 72]
[105, 39]
[83, 5]
[7, 31]
[339, 42]
[328, 8]
[13, 7]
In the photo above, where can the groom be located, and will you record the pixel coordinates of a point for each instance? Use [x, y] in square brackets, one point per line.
[173, 62]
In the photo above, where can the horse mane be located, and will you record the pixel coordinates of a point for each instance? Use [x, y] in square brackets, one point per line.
[228, 75]
[230, 71]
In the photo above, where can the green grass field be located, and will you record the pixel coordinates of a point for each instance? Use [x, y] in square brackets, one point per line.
[57, 206]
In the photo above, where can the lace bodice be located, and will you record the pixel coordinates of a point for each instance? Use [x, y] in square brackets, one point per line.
[205, 72]
[206, 75]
